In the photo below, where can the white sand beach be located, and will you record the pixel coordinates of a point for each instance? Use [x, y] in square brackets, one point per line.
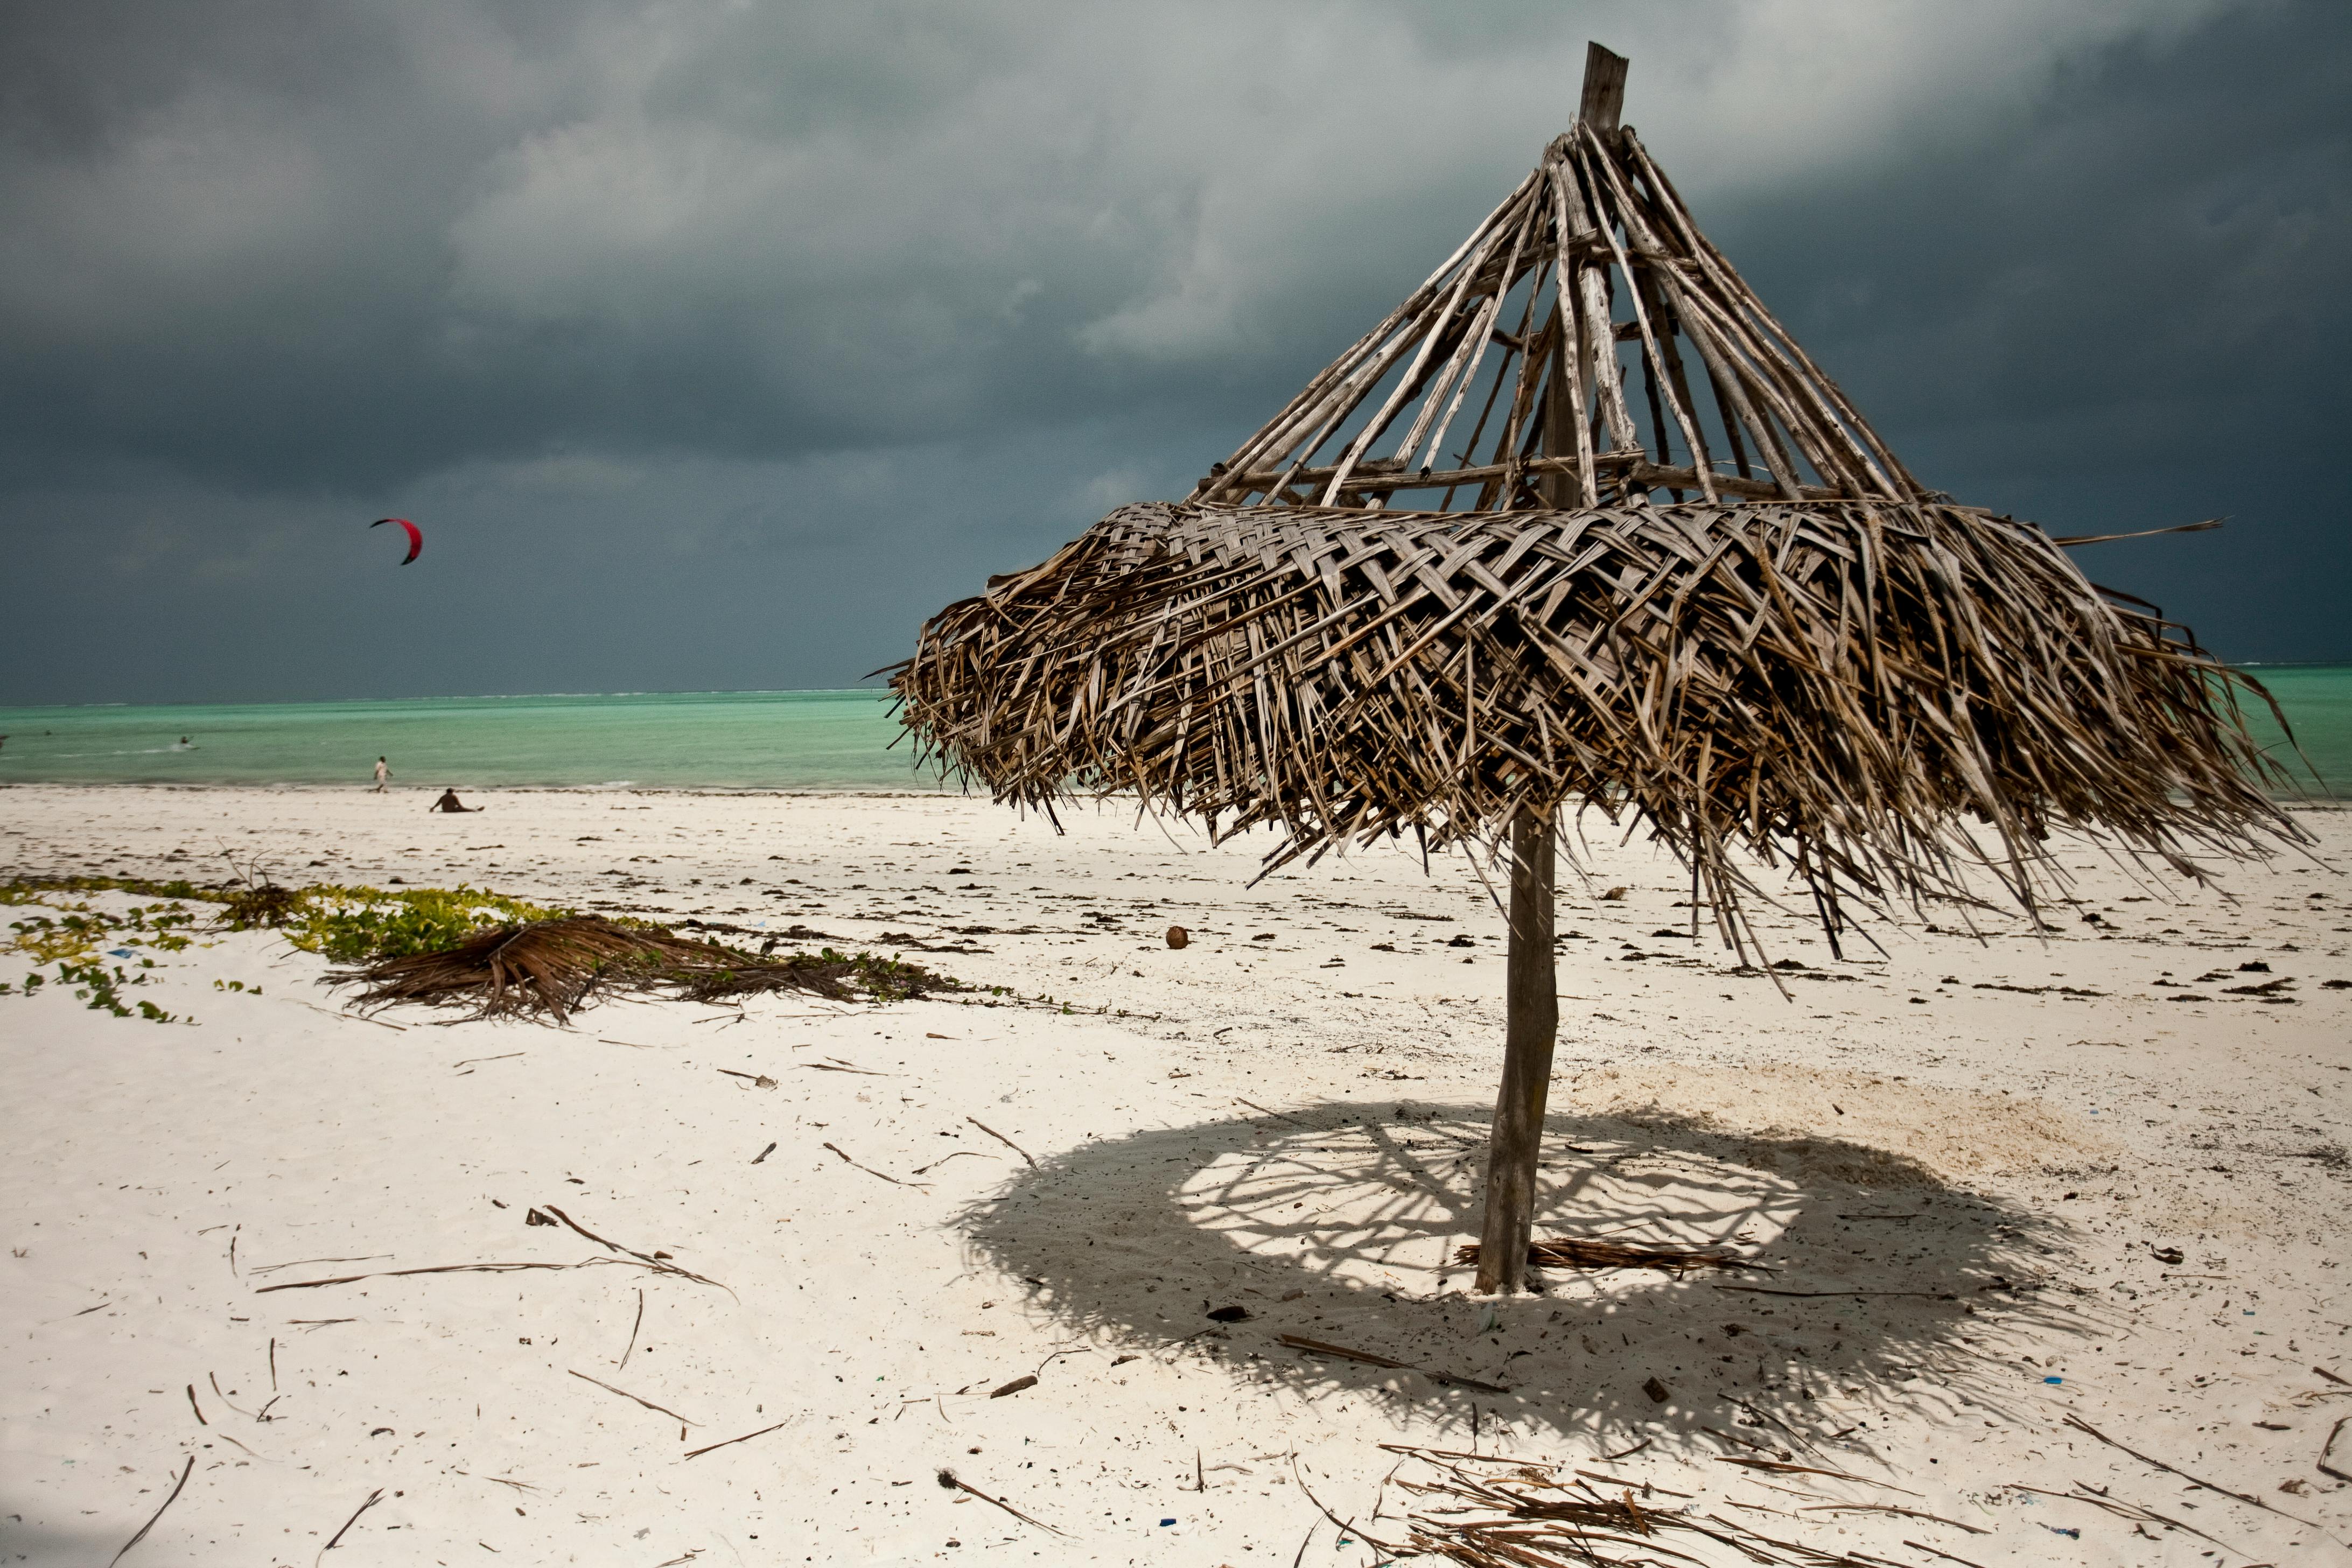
[2008, 1191]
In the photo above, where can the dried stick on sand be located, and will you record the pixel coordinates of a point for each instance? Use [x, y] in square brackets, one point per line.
[1318, 1347]
[2327, 1449]
[185, 1471]
[2098, 1498]
[374, 1498]
[872, 1172]
[1890, 1508]
[948, 1478]
[625, 1393]
[651, 1260]
[638, 1323]
[1001, 1137]
[2246, 1498]
[697, 1453]
[469, 1269]
[1781, 1469]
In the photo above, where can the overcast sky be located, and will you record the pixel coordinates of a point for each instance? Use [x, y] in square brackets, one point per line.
[714, 344]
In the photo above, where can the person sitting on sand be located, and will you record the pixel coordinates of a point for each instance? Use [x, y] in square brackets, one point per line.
[383, 773]
[449, 802]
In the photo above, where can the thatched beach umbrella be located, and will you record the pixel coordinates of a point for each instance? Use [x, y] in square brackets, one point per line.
[1580, 524]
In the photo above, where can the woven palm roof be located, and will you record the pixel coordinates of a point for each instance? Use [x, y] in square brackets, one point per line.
[1579, 523]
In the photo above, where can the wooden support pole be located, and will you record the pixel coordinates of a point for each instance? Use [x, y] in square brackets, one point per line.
[1532, 1007]
[1531, 991]
[1604, 89]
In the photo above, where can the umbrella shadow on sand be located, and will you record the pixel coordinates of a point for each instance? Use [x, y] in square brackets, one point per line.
[1883, 1289]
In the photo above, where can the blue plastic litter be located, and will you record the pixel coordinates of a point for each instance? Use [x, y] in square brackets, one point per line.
[1166, 1523]
[2054, 1380]
[126, 952]
[2063, 1530]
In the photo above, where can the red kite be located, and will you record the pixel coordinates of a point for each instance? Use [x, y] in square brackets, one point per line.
[415, 538]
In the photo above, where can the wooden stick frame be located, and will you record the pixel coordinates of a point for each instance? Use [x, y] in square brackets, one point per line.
[1600, 231]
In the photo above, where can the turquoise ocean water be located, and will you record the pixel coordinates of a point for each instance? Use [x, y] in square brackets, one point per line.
[2317, 699]
[718, 740]
[708, 740]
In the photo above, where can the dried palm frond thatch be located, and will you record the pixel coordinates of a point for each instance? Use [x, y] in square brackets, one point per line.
[1840, 687]
[557, 966]
[1509, 1513]
[1809, 656]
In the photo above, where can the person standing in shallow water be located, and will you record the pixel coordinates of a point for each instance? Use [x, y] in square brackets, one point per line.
[383, 774]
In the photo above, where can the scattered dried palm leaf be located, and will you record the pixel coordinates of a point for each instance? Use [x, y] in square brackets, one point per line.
[1528, 1519]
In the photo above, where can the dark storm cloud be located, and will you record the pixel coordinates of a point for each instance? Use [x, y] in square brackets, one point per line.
[2130, 311]
[716, 343]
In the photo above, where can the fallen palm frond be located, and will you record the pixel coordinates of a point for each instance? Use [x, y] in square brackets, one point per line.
[1528, 1518]
[556, 966]
[544, 966]
[1570, 1252]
